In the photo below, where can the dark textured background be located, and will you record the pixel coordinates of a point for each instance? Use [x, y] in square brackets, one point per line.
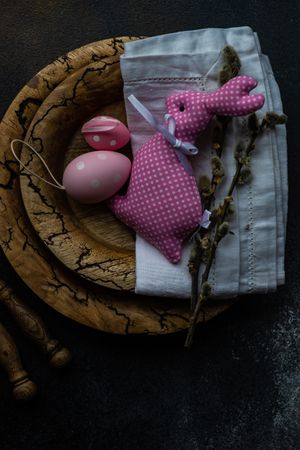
[239, 387]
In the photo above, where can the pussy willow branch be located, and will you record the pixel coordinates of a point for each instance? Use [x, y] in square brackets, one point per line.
[203, 297]
[196, 254]
[218, 146]
[230, 69]
[222, 226]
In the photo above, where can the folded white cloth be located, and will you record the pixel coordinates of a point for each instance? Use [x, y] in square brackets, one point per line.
[252, 259]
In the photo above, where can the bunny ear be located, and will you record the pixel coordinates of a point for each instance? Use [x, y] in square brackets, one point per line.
[233, 98]
[241, 82]
[248, 104]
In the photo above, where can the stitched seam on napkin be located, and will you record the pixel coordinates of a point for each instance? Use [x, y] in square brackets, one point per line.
[251, 242]
[137, 80]
[251, 237]
[202, 87]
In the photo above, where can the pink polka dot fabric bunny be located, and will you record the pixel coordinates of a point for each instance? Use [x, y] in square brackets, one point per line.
[162, 203]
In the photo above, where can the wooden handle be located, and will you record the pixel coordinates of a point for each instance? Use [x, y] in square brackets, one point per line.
[33, 326]
[23, 387]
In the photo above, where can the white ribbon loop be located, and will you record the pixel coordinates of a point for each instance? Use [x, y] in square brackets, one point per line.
[205, 219]
[185, 147]
[204, 223]
[181, 148]
[56, 183]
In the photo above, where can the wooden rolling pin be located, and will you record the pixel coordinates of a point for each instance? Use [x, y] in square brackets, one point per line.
[23, 387]
[32, 325]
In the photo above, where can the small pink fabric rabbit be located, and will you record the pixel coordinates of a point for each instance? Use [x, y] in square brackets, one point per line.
[162, 203]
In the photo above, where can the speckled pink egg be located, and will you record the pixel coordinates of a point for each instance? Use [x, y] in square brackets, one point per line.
[96, 176]
[105, 133]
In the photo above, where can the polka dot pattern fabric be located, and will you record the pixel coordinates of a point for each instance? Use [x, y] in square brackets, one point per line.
[162, 202]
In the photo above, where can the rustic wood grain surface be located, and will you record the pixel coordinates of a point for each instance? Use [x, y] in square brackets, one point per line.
[88, 240]
[96, 306]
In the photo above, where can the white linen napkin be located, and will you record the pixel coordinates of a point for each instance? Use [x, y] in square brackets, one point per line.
[252, 259]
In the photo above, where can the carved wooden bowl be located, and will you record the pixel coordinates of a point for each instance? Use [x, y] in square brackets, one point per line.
[87, 239]
[107, 309]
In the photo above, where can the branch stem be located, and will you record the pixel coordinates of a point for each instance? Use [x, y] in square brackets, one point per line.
[194, 267]
[198, 301]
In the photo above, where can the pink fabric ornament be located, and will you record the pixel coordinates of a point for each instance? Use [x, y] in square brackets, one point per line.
[162, 203]
[96, 176]
[105, 133]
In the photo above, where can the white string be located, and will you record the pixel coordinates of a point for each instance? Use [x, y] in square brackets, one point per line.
[57, 184]
[203, 77]
[217, 61]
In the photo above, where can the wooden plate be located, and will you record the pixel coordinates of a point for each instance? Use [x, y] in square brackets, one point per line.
[87, 239]
[88, 303]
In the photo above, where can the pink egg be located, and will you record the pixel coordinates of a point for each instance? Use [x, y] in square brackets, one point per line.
[105, 133]
[96, 176]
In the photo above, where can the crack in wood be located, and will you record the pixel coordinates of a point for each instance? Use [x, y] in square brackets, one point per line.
[49, 87]
[21, 111]
[99, 264]
[163, 317]
[86, 252]
[128, 321]
[65, 60]
[27, 240]
[12, 174]
[108, 282]
[6, 243]
[52, 208]
[59, 283]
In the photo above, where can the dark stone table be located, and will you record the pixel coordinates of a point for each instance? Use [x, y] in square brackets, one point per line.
[239, 386]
